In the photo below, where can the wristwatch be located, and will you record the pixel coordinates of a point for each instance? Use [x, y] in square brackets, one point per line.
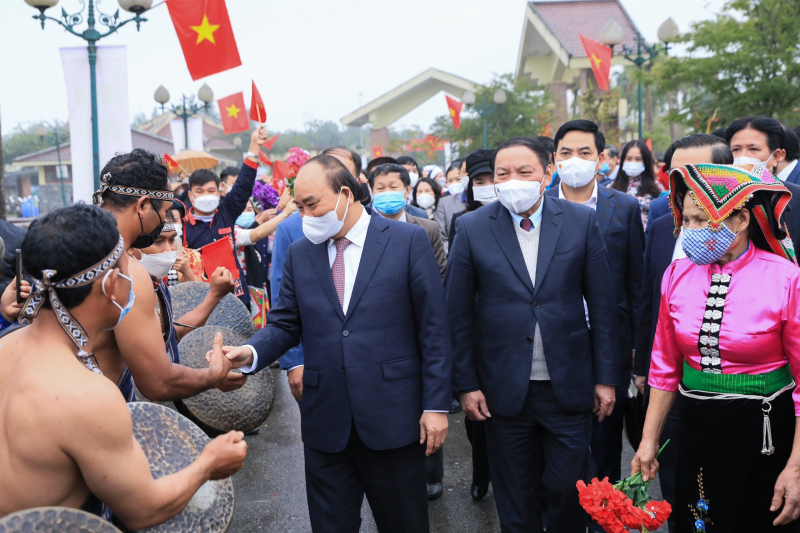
[251, 154]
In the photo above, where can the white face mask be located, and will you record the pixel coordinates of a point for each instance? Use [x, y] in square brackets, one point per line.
[456, 188]
[425, 200]
[320, 229]
[158, 265]
[633, 168]
[414, 178]
[207, 203]
[518, 196]
[576, 172]
[484, 194]
[741, 161]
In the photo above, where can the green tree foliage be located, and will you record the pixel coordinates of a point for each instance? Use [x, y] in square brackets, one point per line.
[744, 61]
[527, 112]
[22, 140]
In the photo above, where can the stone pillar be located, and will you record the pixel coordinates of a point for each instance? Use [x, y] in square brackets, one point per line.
[558, 91]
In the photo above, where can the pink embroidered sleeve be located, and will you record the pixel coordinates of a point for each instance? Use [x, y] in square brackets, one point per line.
[791, 334]
[666, 364]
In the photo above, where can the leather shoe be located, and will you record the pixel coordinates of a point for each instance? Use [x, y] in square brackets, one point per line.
[455, 407]
[435, 490]
[479, 491]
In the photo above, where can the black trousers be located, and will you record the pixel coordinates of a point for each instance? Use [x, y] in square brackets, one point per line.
[393, 481]
[434, 467]
[607, 437]
[720, 446]
[476, 433]
[544, 450]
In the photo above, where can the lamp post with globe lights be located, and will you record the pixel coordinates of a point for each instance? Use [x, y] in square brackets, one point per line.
[613, 35]
[484, 109]
[91, 35]
[188, 108]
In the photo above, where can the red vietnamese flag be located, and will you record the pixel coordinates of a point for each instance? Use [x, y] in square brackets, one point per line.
[280, 171]
[270, 142]
[233, 114]
[206, 36]
[172, 165]
[649, 143]
[257, 110]
[262, 157]
[377, 151]
[600, 58]
[454, 106]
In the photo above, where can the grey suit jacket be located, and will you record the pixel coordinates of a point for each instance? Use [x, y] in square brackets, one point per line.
[435, 236]
[448, 206]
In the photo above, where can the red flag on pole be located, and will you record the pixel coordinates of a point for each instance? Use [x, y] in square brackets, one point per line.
[269, 142]
[262, 157]
[257, 110]
[172, 165]
[280, 171]
[206, 36]
[600, 58]
[454, 106]
[233, 114]
[220, 254]
[377, 151]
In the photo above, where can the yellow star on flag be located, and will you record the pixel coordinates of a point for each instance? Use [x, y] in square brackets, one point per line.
[233, 111]
[205, 31]
[596, 61]
[452, 112]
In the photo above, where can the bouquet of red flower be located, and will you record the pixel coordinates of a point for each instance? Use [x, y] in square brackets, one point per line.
[625, 506]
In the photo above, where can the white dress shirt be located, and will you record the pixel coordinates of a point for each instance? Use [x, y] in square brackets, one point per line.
[783, 174]
[591, 202]
[677, 252]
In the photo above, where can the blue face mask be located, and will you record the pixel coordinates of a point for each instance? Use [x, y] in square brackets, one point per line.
[246, 220]
[604, 168]
[131, 298]
[390, 203]
[705, 246]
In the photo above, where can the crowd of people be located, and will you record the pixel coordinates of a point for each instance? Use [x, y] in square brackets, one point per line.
[538, 286]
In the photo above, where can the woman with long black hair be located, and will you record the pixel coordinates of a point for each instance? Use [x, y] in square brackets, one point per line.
[636, 176]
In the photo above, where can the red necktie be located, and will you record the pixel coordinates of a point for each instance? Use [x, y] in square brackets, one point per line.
[526, 224]
[337, 270]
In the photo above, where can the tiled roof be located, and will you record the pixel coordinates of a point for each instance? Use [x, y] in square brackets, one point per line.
[568, 18]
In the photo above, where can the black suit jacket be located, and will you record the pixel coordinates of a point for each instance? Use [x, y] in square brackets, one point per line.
[12, 238]
[384, 362]
[493, 307]
[794, 176]
[620, 221]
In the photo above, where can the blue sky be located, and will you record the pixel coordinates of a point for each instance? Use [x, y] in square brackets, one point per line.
[311, 59]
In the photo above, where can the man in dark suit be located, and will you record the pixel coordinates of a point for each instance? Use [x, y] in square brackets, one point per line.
[788, 169]
[365, 296]
[579, 146]
[662, 248]
[524, 358]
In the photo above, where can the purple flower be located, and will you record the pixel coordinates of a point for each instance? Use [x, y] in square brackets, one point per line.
[265, 195]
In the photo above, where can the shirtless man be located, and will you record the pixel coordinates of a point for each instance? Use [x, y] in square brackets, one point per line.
[65, 432]
[135, 189]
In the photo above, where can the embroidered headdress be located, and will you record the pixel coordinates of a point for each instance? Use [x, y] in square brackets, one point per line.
[45, 287]
[721, 190]
[105, 185]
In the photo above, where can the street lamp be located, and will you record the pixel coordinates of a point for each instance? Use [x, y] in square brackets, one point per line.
[91, 36]
[484, 109]
[188, 107]
[612, 35]
[42, 131]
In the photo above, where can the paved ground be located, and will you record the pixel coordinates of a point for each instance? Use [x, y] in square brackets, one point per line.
[270, 489]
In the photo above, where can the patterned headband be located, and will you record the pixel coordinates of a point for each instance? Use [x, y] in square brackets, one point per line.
[169, 227]
[45, 287]
[105, 185]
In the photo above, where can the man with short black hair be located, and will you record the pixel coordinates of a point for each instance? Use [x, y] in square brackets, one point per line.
[524, 359]
[227, 179]
[65, 432]
[788, 169]
[135, 190]
[757, 140]
[579, 157]
[377, 378]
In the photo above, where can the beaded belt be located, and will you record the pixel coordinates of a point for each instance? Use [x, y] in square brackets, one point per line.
[765, 387]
